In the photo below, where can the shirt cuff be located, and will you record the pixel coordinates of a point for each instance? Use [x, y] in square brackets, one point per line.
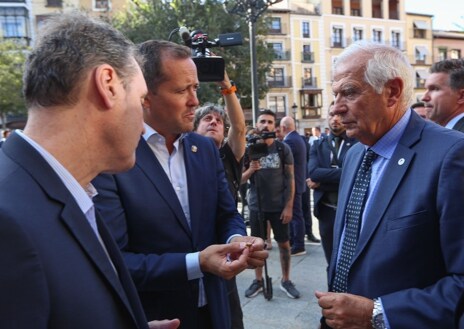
[232, 236]
[385, 318]
[193, 266]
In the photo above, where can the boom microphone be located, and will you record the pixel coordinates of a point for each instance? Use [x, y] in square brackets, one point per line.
[185, 35]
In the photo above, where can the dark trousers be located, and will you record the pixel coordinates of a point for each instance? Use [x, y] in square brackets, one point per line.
[306, 206]
[236, 313]
[326, 227]
[297, 228]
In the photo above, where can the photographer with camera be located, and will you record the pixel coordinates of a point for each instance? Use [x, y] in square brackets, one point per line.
[210, 121]
[269, 166]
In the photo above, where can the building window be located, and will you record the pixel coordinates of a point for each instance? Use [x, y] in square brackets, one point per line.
[377, 9]
[337, 7]
[13, 22]
[337, 37]
[442, 54]
[393, 9]
[396, 39]
[305, 29]
[357, 34]
[377, 36]
[355, 6]
[101, 5]
[278, 50]
[276, 78]
[421, 54]
[275, 25]
[420, 29]
[54, 3]
[308, 56]
[455, 53]
[308, 80]
[277, 103]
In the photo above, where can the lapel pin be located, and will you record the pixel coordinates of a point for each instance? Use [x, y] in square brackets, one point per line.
[194, 149]
[401, 161]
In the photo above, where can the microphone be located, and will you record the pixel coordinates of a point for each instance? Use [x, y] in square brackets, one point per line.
[185, 35]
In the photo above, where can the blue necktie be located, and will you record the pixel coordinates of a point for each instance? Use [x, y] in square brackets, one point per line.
[354, 212]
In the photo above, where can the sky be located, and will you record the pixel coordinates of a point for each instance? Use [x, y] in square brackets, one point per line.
[446, 12]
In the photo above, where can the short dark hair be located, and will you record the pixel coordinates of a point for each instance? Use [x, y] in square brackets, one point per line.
[153, 52]
[268, 112]
[454, 68]
[418, 104]
[68, 47]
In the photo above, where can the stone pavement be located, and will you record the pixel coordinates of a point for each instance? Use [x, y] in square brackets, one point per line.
[308, 273]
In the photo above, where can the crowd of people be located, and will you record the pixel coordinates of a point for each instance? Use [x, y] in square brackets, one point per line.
[103, 229]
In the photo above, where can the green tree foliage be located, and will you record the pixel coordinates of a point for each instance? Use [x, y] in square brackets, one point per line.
[12, 59]
[156, 19]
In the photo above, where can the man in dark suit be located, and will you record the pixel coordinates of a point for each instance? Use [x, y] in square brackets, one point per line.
[298, 147]
[444, 98]
[173, 215]
[60, 266]
[398, 236]
[325, 168]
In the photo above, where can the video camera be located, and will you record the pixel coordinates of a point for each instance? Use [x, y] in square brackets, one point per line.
[256, 147]
[210, 68]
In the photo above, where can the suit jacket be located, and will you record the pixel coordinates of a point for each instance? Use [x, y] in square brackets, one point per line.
[147, 220]
[410, 250]
[321, 170]
[298, 148]
[459, 126]
[55, 273]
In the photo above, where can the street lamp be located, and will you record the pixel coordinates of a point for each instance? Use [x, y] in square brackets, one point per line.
[294, 110]
[251, 10]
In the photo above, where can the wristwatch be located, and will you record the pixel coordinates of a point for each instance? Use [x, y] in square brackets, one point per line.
[377, 315]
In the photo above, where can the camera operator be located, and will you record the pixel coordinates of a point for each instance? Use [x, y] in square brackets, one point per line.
[271, 176]
[210, 121]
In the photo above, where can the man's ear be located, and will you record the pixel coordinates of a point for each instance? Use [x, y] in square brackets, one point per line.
[394, 89]
[107, 83]
[146, 102]
[461, 96]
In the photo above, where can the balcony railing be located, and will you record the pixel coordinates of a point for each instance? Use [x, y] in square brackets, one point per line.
[279, 82]
[307, 57]
[311, 112]
[420, 83]
[309, 82]
[282, 55]
[421, 34]
[338, 43]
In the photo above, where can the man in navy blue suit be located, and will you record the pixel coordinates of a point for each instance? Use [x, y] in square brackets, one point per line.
[173, 215]
[60, 268]
[325, 168]
[298, 147]
[405, 268]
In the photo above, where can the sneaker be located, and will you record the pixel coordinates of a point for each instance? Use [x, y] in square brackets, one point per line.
[312, 238]
[255, 288]
[298, 252]
[289, 288]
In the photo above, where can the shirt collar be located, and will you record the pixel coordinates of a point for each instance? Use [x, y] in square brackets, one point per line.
[149, 132]
[82, 196]
[454, 120]
[386, 145]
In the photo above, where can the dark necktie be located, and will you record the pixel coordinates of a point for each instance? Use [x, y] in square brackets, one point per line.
[336, 140]
[354, 212]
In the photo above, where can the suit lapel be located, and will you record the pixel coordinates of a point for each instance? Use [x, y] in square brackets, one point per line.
[150, 166]
[392, 176]
[71, 216]
[194, 157]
